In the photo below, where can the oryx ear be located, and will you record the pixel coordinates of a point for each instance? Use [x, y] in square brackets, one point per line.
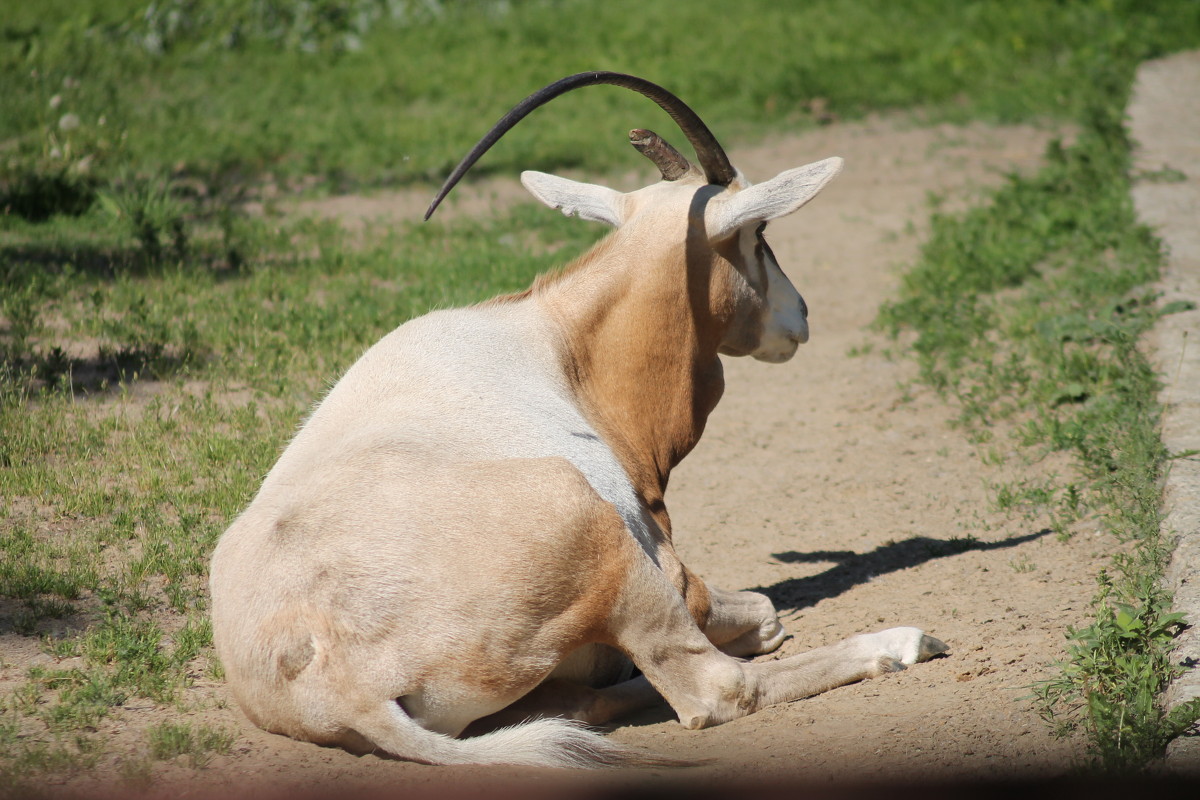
[585, 200]
[771, 199]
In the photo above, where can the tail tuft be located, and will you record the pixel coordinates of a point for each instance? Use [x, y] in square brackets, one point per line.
[550, 742]
[566, 744]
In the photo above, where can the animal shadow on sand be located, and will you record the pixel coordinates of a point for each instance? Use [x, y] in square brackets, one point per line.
[856, 568]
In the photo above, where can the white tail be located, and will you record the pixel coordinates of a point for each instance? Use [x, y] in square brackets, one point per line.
[547, 742]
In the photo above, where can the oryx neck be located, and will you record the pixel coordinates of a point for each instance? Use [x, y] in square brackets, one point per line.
[638, 349]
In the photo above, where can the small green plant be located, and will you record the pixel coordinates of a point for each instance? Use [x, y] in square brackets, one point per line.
[1021, 495]
[199, 744]
[857, 350]
[1111, 682]
[22, 310]
[960, 544]
[46, 579]
[1023, 564]
[150, 215]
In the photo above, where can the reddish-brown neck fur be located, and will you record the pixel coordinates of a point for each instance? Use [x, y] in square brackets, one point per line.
[641, 338]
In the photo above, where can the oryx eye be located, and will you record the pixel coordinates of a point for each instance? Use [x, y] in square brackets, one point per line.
[762, 250]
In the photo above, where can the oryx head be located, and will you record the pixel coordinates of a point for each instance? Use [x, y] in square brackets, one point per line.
[765, 317]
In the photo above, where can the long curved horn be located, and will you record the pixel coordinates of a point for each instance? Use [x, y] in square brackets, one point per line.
[670, 162]
[709, 153]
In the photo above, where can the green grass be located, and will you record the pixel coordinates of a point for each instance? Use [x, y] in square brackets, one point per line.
[412, 90]
[159, 344]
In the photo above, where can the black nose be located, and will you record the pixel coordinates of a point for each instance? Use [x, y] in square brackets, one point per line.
[803, 308]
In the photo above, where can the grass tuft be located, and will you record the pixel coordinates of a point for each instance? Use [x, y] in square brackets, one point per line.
[170, 740]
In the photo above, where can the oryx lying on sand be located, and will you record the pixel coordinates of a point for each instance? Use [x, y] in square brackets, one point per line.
[471, 524]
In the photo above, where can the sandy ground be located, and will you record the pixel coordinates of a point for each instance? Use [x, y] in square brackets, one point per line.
[840, 490]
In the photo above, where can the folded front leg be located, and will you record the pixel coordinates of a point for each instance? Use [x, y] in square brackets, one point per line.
[743, 623]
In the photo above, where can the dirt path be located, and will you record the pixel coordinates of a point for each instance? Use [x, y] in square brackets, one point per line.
[854, 505]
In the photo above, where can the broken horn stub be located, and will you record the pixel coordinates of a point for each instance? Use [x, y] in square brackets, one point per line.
[670, 162]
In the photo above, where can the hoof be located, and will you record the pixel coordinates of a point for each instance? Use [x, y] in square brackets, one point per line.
[931, 647]
[906, 645]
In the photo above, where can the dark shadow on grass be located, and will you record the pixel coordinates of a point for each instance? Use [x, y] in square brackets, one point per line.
[35, 362]
[853, 568]
[23, 264]
[29, 260]
[104, 373]
[43, 616]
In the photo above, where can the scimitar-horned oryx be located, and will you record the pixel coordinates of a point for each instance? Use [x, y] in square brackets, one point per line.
[469, 530]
